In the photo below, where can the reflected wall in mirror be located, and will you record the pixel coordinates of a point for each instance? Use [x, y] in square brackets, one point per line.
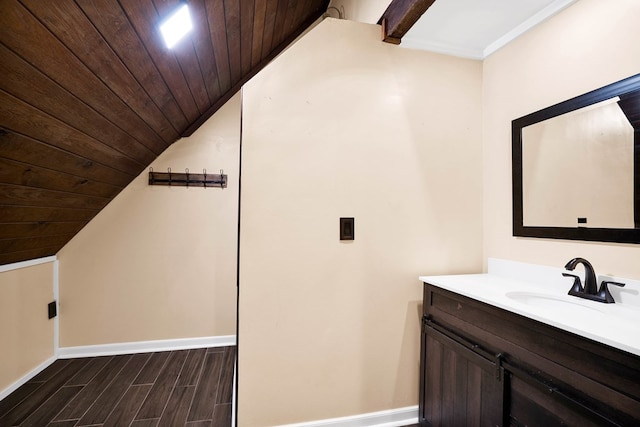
[576, 167]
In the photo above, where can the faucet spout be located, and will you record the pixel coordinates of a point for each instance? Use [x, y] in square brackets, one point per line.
[590, 282]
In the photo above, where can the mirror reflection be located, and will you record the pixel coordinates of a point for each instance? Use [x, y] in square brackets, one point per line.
[578, 169]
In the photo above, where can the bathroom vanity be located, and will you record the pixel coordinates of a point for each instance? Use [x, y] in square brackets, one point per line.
[500, 351]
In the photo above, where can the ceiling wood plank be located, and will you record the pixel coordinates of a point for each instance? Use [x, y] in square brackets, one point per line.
[247, 8]
[281, 15]
[269, 26]
[32, 243]
[30, 254]
[186, 56]
[310, 19]
[12, 214]
[144, 18]
[113, 24]
[27, 83]
[71, 26]
[217, 27]
[259, 16]
[27, 150]
[22, 230]
[22, 118]
[18, 195]
[12, 172]
[400, 16]
[232, 18]
[204, 49]
[23, 34]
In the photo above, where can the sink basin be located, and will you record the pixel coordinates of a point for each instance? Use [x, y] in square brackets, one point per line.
[549, 301]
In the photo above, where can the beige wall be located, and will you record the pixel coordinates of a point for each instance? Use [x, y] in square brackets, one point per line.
[367, 11]
[586, 46]
[159, 262]
[26, 333]
[344, 125]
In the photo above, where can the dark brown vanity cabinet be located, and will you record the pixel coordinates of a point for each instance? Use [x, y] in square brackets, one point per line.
[485, 366]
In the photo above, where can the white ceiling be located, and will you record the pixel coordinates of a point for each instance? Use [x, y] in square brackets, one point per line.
[477, 28]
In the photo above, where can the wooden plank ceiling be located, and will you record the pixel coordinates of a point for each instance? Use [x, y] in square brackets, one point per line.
[90, 96]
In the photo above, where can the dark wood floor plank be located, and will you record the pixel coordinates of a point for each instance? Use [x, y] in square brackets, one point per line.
[68, 423]
[31, 151]
[102, 407]
[177, 409]
[215, 350]
[20, 412]
[192, 367]
[83, 401]
[207, 389]
[50, 371]
[152, 369]
[146, 423]
[86, 374]
[45, 413]
[11, 401]
[222, 415]
[100, 390]
[157, 399]
[128, 407]
[225, 394]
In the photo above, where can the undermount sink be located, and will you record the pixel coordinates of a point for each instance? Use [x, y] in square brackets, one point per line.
[548, 301]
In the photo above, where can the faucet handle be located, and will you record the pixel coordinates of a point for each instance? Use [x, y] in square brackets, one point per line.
[604, 291]
[577, 285]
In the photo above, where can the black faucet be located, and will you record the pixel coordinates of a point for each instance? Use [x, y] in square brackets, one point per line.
[590, 290]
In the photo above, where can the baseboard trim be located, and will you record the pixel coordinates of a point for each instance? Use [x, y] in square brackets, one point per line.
[145, 346]
[35, 371]
[390, 418]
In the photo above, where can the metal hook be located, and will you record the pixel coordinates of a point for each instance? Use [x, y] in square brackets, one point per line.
[186, 170]
[169, 170]
[152, 177]
[223, 184]
[204, 180]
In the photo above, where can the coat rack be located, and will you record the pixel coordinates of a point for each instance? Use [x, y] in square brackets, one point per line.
[187, 179]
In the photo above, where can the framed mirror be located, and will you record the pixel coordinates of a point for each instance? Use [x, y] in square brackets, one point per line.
[576, 167]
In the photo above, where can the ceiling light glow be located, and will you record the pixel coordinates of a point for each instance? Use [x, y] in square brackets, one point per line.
[176, 26]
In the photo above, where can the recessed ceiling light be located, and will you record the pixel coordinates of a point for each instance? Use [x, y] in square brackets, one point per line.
[176, 26]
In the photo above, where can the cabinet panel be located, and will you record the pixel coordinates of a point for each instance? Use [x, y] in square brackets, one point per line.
[461, 387]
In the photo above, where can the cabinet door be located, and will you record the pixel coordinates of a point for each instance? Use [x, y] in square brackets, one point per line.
[460, 387]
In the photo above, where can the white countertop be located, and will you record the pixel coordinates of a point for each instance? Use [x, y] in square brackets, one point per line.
[617, 325]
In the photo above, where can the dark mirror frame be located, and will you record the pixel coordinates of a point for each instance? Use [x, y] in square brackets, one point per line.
[629, 92]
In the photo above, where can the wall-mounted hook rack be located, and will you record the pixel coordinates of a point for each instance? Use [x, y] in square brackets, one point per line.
[188, 179]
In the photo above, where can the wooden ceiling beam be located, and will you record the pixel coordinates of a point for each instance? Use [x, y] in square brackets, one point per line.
[400, 16]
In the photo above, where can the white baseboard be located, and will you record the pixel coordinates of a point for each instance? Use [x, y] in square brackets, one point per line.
[390, 418]
[35, 371]
[145, 346]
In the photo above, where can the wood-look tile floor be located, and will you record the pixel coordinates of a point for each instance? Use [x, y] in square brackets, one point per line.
[175, 388]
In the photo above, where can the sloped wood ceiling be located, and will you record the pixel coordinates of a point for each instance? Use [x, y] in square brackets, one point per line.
[90, 96]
